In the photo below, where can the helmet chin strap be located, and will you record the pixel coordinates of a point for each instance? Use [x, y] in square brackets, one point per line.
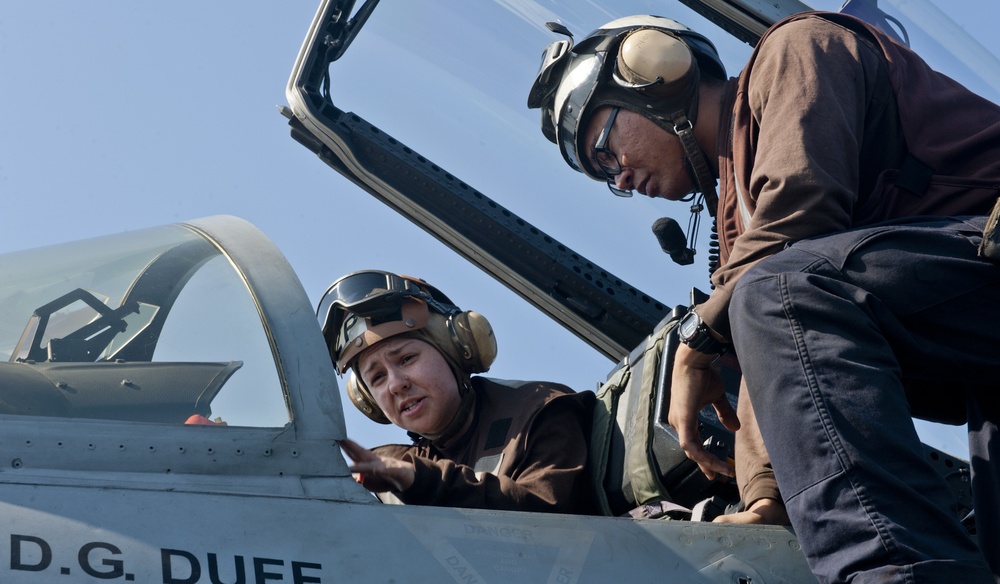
[704, 181]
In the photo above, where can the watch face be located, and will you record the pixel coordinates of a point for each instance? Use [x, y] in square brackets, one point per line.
[688, 326]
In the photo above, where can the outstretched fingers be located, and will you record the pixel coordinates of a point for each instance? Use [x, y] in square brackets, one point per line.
[356, 452]
[377, 473]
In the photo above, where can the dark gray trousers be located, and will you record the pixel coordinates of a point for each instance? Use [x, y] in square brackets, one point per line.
[841, 339]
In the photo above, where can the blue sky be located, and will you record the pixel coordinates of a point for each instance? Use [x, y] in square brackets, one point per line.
[122, 115]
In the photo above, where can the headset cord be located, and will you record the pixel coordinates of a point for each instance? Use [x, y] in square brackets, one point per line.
[694, 222]
[713, 252]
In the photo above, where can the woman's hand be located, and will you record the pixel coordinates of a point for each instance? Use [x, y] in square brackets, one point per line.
[378, 473]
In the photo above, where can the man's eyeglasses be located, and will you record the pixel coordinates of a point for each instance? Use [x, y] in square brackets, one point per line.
[607, 160]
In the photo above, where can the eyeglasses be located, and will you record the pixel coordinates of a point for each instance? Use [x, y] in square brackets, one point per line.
[607, 160]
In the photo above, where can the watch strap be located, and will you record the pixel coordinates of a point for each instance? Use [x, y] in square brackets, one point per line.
[702, 339]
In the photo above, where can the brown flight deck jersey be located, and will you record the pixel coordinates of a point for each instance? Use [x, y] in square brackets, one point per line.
[823, 118]
[833, 125]
[525, 451]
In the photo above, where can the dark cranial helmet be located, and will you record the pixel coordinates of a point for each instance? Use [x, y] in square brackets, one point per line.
[647, 64]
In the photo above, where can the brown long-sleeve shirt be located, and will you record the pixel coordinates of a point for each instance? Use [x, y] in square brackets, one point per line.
[525, 451]
[823, 117]
[815, 139]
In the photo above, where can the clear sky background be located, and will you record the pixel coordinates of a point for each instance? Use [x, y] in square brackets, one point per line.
[121, 115]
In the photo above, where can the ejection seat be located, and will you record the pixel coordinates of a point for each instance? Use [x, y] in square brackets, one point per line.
[637, 465]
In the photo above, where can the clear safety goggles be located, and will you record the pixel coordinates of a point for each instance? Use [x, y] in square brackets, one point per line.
[362, 308]
[368, 292]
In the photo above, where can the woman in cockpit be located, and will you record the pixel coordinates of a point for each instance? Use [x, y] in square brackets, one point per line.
[477, 442]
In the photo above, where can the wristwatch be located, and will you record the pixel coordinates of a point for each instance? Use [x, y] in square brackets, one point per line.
[694, 333]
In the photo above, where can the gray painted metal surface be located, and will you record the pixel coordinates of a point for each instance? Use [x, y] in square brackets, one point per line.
[84, 534]
[100, 498]
[87, 500]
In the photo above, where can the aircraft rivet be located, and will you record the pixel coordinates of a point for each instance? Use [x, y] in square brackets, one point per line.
[16, 463]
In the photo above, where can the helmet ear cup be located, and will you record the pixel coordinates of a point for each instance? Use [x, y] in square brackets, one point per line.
[363, 400]
[474, 339]
[656, 62]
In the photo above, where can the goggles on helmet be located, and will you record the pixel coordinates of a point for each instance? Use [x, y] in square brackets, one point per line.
[367, 291]
[564, 85]
[574, 80]
[363, 308]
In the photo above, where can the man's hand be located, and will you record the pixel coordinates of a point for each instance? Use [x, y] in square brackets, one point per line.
[695, 384]
[761, 512]
[378, 473]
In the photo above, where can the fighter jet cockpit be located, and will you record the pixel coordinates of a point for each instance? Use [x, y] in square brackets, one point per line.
[155, 325]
